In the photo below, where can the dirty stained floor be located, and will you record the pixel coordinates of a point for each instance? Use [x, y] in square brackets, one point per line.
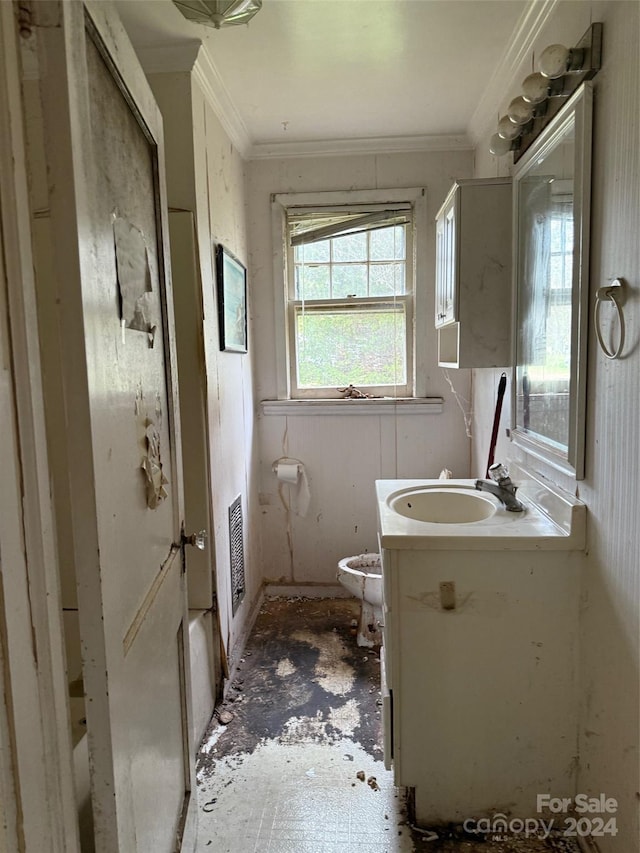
[296, 765]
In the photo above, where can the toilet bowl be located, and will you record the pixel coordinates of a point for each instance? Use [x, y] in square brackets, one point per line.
[362, 576]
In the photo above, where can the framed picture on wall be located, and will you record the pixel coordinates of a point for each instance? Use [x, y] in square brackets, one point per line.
[231, 277]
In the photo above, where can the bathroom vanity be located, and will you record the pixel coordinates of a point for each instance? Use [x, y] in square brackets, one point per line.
[479, 668]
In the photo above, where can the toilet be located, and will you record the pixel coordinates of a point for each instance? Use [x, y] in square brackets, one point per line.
[362, 576]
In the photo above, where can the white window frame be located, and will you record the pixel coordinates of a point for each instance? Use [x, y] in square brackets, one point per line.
[417, 330]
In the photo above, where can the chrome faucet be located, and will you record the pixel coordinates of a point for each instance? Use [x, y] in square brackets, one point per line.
[501, 487]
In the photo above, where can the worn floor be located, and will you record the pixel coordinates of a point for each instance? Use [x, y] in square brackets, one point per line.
[297, 768]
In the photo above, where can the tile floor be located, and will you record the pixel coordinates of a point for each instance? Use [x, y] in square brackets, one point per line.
[301, 798]
[298, 768]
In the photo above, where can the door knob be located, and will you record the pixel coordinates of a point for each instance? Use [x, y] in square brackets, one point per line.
[199, 540]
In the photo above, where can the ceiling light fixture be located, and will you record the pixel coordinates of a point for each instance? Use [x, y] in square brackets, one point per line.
[499, 146]
[562, 70]
[219, 13]
[508, 129]
[520, 111]
[535, 88]
[557, 60]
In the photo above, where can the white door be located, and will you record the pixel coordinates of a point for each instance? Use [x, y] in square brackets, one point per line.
[122, 494]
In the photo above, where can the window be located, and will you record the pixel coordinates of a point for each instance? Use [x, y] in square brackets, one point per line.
[349, 300]
[348, 271]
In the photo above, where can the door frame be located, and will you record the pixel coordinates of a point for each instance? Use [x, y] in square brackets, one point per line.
[36, 771]
[62, 31]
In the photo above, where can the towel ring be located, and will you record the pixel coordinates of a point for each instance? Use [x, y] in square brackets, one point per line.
[615, 293]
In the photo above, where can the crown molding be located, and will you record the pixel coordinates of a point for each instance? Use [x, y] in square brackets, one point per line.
[527, 30]
[206, 73]
[169, 57]
[193, 57]
[369, 145]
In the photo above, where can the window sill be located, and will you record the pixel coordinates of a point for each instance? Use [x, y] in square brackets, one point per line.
[350, 406]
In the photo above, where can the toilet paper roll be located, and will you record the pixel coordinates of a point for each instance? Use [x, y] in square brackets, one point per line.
[293, 473]
[287, 472]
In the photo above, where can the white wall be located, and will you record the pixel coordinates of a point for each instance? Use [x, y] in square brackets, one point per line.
[609, 731]
[233, 445]
[343, 454]
[205, 175]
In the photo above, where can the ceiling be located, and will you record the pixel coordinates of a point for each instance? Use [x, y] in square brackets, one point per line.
[323, 73]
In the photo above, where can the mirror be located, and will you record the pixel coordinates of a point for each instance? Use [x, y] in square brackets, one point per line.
[551, 233]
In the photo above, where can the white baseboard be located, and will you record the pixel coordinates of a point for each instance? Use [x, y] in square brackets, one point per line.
[304, 590]
[234, 655]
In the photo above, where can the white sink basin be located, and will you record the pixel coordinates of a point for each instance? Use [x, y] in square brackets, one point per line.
[442, 505]
[453, 515]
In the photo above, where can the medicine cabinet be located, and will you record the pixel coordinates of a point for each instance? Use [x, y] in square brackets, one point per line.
[551, 246]
[473, 274]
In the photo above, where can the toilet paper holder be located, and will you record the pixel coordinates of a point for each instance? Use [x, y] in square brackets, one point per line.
[291, 472]
[287, 469]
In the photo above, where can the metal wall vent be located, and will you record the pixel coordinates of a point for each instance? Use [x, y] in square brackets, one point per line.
[236, 545]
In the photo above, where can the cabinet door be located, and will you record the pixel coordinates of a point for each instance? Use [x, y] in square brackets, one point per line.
[446, 265]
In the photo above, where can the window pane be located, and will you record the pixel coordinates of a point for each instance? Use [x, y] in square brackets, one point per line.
[386, 279]
[558, 354]
[352, 247]
[349, 280]
[313, 282]
[312, 252]
[556, 235]
[556, 266]
[387, 244]
[362, 347]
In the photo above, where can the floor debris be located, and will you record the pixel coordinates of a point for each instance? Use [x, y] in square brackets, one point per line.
[224, 717]
[305, 710]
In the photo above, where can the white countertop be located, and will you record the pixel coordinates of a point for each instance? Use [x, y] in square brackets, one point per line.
[552, 520]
